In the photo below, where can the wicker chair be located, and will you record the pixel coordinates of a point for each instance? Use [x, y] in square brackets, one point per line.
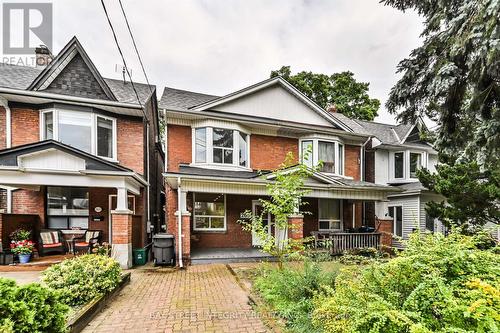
[51, 241]
[87, 241]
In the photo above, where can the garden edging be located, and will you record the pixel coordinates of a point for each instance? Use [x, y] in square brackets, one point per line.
[80, 320]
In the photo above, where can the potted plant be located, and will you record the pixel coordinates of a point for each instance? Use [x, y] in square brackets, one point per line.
[20, 234]
[23, 249]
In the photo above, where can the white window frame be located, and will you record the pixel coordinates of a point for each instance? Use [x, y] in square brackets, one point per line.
[315, 153]
[93, 136]
[406, 165]
[209, 216]
[394, 165]
[409, 162]
[395, 218]
[209, 157]
[330, 221]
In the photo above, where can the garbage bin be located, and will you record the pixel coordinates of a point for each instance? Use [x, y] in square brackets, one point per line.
[140, 256]
[163, 249]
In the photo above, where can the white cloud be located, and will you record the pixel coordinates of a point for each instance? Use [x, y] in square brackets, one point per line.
[219, 46]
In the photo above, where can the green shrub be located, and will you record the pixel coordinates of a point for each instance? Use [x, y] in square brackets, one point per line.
[83, 278]
[438, 284]
[30, 308]
[290, 292]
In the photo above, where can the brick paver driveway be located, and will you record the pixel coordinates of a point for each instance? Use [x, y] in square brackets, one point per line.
[204, 298]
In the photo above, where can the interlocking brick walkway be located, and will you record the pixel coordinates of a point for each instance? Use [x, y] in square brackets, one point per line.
[204, 298]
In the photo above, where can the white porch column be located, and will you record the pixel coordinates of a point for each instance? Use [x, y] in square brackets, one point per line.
[121, 230]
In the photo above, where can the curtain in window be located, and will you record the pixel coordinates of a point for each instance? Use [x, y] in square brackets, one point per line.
[327, 155]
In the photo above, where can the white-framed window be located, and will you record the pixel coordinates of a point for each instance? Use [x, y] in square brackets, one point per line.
[329, 215]
[209, 212]
[399, 165]
[221, 147]
[67, 207]
[405, 163]
[329, 152]
[415, 163]
[396, 212]
[87, 131]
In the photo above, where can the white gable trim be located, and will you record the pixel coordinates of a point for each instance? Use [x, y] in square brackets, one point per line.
[50, 159]
[265, 84]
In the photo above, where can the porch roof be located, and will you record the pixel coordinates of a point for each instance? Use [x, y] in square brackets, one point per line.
[252, 183]
[53, 163]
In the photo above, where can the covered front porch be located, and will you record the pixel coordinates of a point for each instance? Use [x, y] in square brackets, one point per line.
[210, 211]
[67, 194]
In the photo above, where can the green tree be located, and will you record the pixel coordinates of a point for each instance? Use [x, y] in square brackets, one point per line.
[285, 191]
[453, 79]
[339, 90]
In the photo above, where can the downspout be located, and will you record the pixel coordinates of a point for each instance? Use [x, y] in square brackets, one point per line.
[165, 138]
[9, 201]
[179, 221]
[148, 222]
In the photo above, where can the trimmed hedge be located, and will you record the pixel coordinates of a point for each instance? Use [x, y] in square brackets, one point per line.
[30, 308]
[83, 278]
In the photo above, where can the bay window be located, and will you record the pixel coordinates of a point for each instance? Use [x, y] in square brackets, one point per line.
[404, 165]
[415, 164]
[330, 153]
[87, 131]
[329, 215]
[221, 146]
[399, 166]
[209, 212]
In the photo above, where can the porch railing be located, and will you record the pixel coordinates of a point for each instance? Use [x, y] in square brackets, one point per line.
[337, 243]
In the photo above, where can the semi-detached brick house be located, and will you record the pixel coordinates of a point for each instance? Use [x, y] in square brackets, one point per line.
[79, 151]
[217, 148]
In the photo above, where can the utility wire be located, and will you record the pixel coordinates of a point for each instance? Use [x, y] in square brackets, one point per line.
[135, 46]
[123, 59]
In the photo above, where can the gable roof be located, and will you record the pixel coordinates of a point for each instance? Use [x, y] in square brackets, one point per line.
[9, 156]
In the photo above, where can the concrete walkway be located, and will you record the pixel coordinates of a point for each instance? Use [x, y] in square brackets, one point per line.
[202, 298]
[22, 277]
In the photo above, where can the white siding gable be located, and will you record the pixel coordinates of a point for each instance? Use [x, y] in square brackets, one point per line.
[51, 159]
[274, 102]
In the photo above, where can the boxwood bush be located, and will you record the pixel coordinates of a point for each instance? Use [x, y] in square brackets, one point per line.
[81, 279]
[30, 308]
[438, 284]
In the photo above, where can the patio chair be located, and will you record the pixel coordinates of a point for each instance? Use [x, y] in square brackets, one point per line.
[51, 241]
[87, 241]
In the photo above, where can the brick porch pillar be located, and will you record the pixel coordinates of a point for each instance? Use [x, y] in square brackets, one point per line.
[185, 237]
[296, 223]
[121, 240]
[385, 228]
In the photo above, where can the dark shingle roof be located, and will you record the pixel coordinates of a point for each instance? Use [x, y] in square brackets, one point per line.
[402, 130]
[382, 131]
[189, 170]
[181, 100]
[20, 77]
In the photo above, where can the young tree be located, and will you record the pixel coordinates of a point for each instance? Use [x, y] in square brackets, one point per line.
[285, 192]
[339, 90]
[453, 79]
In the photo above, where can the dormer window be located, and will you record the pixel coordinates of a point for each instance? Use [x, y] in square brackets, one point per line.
[87, 131]
[220, 146]
[330, 152]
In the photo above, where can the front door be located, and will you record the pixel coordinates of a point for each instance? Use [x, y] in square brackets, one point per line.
[266, 222]
[396, 212]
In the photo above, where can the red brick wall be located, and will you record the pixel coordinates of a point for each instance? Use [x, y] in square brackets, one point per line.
[179, 146]
[352, 162]
[3, 142]
[122, 228]
[99, 197]
[310, 220]
[130, 144]
[268, 152]
[29, 202]
[171, 208]
[234, 236]
[25, 126]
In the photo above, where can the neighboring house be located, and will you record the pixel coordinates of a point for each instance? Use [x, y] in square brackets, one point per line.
[79, 151]
[397, 152]
[217, 148]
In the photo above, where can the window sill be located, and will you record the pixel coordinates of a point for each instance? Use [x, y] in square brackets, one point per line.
[215, 166]
[208, 231]
[402, 180]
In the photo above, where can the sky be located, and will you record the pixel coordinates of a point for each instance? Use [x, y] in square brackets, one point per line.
[219, 46]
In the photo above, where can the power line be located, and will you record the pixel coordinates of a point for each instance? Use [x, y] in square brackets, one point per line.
[123, 59]
[135, 46]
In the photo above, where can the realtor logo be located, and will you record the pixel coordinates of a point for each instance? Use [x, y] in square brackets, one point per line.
[26, 26]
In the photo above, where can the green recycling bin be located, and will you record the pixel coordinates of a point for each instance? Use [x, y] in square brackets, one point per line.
[140, 256]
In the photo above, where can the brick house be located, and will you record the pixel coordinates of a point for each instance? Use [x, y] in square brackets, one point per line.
[80, 152]
[218, 147]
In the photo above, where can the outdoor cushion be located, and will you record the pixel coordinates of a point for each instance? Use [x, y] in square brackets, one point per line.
[52, 245]
[49, 237]
[91, 234]
[81, 244]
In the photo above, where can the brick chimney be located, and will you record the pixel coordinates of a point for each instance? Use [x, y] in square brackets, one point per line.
[332, 108]
[43, 56]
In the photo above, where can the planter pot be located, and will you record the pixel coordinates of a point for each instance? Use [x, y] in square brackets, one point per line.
[24, 258]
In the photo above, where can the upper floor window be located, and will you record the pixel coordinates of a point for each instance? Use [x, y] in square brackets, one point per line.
[330, 153]
[405, 164]
[221, 146]
[90, 132]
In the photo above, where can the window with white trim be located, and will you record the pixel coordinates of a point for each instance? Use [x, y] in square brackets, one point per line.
[329, 152]
[87, 131]
[221, 146]
[329, 213]
[415, 164]
[399, 164]
[209, 212]
[405, 164]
